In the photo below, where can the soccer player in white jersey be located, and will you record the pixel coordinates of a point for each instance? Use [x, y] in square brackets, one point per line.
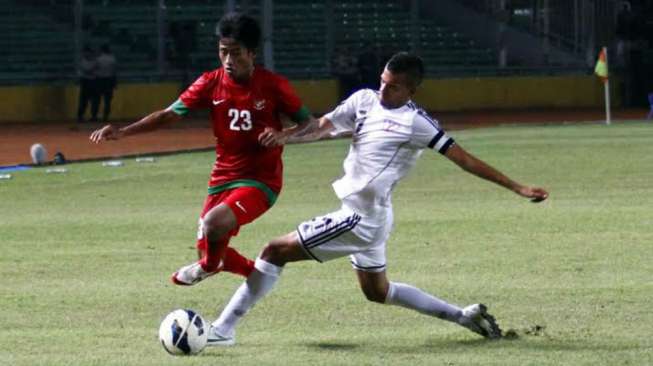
[389, 133]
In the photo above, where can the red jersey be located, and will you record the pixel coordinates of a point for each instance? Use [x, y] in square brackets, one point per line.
[239, 113]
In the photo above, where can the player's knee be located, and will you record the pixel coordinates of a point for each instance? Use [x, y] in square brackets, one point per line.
[273, 253]
[216, 228]
[374, 294]
[213, 231]
[218, 222]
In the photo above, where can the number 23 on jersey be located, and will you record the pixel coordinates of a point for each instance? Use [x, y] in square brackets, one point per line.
[241, 120]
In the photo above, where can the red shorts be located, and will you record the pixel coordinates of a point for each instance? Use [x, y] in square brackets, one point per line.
[247, 203]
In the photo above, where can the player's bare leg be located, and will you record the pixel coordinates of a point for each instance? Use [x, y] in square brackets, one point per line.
[374, 285]
[218, 223]
[216, 226]
[377, 288]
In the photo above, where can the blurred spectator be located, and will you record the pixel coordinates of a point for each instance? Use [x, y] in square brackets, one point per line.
[625, 21]
[106, 79]
[369, 67]
[624, 33]
[344, 69]
[183, 36]
[88, 22]
[88, 85]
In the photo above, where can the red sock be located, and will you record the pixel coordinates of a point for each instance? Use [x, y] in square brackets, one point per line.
[213, 254]
[235, 262]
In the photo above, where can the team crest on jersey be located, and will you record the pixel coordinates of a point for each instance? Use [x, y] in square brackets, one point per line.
[390, 125]
[259, 104]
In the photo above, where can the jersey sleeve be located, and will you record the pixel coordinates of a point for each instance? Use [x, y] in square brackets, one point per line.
[196, 96]
[289, 102]
[343, 116]
[178, 107]
[427, 133]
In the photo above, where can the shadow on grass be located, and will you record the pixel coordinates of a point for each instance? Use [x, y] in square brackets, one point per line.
[441, 346]
[334, 346]
[527, 343]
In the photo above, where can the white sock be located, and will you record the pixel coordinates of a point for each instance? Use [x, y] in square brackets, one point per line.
[411, 297]
[257, 285]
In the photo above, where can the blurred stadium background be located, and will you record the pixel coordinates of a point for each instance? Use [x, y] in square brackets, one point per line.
[499, 55]
[86, 254]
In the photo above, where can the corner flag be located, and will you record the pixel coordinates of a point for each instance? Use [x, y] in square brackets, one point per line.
[601, 68]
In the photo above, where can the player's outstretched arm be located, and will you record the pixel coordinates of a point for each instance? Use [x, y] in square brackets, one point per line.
[310, 130]
[473, 165]
[149, 123]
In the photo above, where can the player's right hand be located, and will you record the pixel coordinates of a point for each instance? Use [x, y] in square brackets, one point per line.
[271, 137]
[535, 194]
[108, 132]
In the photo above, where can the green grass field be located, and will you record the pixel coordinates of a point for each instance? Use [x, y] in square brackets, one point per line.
[86, 258]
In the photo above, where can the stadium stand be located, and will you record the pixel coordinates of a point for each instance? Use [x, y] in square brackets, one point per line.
[43, 47]
[35, 46]
[299, 39]
[195, 22]
[387, 26]
[131, 29]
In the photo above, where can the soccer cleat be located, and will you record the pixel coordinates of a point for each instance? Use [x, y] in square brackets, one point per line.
[476, 318]
[217, 339]
[192, 274]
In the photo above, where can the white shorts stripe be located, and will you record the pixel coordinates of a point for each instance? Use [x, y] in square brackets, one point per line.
[345, 233]
[329, 232]
[325, 238]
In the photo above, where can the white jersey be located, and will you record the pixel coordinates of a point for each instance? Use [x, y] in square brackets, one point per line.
[385, 146]
[106, 66]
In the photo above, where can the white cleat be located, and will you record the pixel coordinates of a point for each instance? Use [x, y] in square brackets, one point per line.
[476, 318]
[192, 274]
[217, 339]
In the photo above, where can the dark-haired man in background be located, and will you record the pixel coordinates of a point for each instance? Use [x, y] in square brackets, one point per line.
[389, 134]
[106, 79]
[88, 91]
[244, 100]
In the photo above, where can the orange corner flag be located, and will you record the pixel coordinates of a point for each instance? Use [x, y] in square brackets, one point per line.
[601, 68]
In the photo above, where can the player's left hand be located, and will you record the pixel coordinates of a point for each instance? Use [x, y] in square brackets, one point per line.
[108, 132]
[534, 193]
[271, 137]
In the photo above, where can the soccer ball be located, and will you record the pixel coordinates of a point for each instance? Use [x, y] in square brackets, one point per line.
[183, 332]
[38, 153]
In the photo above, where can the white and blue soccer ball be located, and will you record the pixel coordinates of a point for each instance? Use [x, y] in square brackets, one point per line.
[38, 153]
[183, 332]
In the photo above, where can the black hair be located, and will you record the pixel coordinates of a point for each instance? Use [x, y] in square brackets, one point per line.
[409, 64]
[242, 28]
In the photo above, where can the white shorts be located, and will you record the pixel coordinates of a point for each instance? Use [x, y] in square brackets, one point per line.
[344, 232]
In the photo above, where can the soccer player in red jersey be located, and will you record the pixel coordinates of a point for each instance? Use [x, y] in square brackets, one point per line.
[245, 102]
